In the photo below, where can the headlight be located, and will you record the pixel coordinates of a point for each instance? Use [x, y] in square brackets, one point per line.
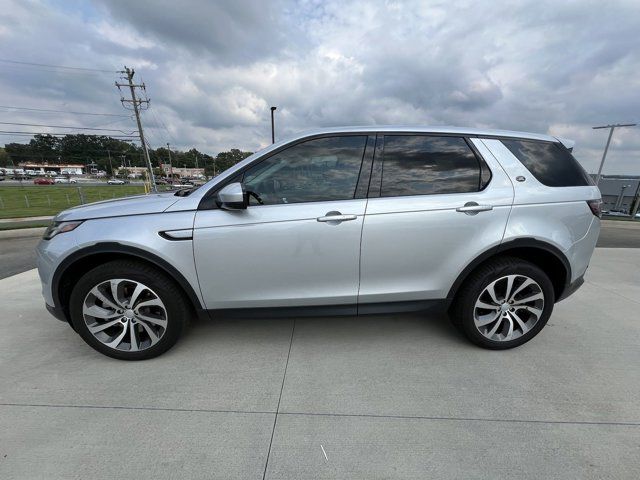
[59, 227]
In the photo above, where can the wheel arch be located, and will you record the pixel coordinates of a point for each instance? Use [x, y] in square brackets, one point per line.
[546, 256]
[81, 261]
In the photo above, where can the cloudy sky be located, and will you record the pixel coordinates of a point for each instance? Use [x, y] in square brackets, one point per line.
[213, 68]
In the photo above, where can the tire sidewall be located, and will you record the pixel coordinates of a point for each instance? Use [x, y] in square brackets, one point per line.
[151, 279]
[482, 280]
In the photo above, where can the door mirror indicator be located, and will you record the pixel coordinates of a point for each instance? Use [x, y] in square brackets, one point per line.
[233, 197]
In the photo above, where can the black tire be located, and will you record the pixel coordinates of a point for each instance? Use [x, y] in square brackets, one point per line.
[170, 294]
[462, 311]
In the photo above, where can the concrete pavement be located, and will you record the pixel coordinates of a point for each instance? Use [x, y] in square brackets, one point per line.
[389, 396]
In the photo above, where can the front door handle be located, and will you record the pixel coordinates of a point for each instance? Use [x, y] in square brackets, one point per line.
[336, 217]
[472, 208]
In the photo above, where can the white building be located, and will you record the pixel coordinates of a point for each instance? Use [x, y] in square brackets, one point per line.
[61, 169]
[182, 172]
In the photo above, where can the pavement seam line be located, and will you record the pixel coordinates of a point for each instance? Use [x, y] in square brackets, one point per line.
[312, 414]
[612, 291]
[122, 407]
[462, 419]
[275, 420]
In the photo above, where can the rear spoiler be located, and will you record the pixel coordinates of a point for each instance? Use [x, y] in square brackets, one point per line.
[569, 144]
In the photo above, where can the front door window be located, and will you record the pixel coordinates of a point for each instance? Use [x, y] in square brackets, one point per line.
[319, 170]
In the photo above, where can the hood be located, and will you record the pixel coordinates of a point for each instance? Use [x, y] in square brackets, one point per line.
[137, 205]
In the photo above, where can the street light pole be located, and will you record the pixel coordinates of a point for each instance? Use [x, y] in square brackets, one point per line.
[635, 203]
[606, 148]
[273, 130]
[620, 198]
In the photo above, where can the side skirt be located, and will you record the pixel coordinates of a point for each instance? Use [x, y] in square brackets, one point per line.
[332, 310]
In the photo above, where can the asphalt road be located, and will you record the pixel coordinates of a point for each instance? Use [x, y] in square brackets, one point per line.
[617, 234]
[17, 254]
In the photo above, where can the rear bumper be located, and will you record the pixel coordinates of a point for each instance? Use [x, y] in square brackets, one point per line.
[571, 288]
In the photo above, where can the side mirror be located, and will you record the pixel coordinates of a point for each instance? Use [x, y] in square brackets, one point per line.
[233, 197]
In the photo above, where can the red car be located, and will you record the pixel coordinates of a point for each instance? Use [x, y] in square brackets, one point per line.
[43, 181]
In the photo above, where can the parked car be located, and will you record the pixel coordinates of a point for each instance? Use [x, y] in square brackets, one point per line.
[616, 213]
[495, 227]
[20, 176]
[43, 181]
[64, 180]
[115, 181]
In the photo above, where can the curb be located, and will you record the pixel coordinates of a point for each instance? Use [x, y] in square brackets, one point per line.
[22, 232]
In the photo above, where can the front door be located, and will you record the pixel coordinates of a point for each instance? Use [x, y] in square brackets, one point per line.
[298, 242]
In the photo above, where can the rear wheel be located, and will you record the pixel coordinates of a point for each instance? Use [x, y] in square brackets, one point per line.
[128, 310]
[504, 303]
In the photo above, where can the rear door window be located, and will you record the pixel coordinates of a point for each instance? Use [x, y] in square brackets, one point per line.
[550, 162]
[428, 165]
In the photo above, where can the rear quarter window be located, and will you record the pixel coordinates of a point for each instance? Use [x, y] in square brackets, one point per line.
[550, 162]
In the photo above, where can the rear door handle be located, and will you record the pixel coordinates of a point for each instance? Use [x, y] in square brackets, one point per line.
[336, 217]
[471, 208]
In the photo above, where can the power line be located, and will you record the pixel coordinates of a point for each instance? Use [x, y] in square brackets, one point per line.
[64, 111]
[68, 155]
[111, 122]
[8, 132]
[64, 126]
[31, 64]
[158, 119]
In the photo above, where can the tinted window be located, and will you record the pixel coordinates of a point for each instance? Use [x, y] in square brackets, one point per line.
[318, 170]
[424, 165]
[551, 163]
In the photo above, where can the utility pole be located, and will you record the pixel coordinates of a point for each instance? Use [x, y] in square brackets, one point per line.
[170, 164]
[110, 166]
[137, 103]
[606, 148]
[273, 129]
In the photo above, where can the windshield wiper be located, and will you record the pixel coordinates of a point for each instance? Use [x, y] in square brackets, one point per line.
[185, 192]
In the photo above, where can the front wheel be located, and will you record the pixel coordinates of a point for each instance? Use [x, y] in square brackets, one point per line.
[128, 310]
[504, 303]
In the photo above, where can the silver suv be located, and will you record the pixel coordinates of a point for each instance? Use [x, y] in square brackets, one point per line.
[493, 226]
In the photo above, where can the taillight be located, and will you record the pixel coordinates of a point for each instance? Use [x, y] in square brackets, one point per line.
[596, 207]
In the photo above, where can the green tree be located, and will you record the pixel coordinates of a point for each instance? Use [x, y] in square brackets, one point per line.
[225, 160]
[4, 158]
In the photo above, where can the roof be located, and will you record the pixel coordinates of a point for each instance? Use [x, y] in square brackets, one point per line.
[53, 165]
[478, 132]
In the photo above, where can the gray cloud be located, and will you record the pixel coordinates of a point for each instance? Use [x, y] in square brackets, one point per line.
[230, 31]
[214, 68]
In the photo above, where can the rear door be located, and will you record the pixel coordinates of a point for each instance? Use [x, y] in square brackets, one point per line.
[435, 203]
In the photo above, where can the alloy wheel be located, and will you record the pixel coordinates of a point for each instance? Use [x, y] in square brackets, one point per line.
[125, 315]
[508, 308]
